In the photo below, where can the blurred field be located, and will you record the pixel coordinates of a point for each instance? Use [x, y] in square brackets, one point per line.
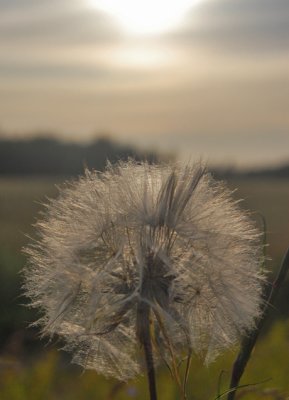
[270, 198]
[28, 370]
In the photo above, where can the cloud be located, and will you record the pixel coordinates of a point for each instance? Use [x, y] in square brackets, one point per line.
[60, 22]
[254, 26]
[232, 30]
[246, 26]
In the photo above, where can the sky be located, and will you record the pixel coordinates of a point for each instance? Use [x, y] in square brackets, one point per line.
[214, 84]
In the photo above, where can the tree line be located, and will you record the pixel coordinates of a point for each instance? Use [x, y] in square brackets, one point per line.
[46, 156]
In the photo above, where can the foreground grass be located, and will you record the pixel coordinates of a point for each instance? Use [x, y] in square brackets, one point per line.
[49, 376]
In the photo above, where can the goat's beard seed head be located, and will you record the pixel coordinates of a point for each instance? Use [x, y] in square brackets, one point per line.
[166, 236]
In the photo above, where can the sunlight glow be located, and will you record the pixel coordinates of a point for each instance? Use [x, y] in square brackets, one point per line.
[145, 17]
[139, 58]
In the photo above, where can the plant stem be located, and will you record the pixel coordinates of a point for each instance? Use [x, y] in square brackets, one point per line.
[248, 342]
[188, 366]
[174, 369]
[150, 369]
[144, 336]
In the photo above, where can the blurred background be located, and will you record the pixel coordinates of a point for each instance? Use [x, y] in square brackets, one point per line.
[83, 81]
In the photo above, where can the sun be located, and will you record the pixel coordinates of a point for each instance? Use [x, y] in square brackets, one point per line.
[145, 16]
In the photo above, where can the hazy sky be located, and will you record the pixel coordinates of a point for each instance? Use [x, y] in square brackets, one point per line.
[216, 85]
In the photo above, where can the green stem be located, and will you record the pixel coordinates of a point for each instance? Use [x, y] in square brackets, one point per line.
[248, 342]
[144, 336]
[150, 370]
[174, 369]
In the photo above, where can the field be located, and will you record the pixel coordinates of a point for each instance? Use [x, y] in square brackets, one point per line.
[31, 369]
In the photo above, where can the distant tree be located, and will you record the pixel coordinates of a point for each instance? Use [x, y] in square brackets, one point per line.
[51, 157]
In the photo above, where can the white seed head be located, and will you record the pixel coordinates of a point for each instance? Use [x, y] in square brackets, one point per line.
[167, 236]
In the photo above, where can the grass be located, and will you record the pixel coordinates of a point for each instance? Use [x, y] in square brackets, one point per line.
[47, 374]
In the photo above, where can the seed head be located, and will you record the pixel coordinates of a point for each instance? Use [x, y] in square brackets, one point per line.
[138, 243]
